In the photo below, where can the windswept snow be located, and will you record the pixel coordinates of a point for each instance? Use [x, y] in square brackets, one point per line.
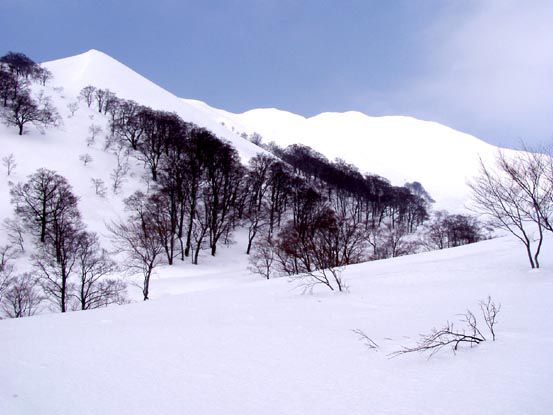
[262, 347]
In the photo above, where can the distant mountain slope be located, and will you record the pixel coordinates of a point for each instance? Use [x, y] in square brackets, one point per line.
[402, 149]
[399, 148]
[100, 70]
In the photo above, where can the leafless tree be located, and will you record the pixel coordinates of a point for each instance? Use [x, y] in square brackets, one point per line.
[512, 197]
[490, 310]
[9, 163]
[73, 107]
[15, 231]
[6, 268]
[42, 74]
[257, 185]
[23, 297]
[256, 138]
[199, 231]
[56, 261]
[137, 240]
[94, 289]
[100, 97]
[93, 131]
[262, 258]
[85, 159]
[99, 187]
[87, 95]
[23, 109]
[531, 172]
[120, 171]
[45, 197]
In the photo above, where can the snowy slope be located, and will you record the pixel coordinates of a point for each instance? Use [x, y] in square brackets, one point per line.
[263, 348]
[402, 149]
[100, 70]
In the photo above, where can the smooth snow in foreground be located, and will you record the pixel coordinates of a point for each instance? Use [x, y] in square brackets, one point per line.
[238, 345]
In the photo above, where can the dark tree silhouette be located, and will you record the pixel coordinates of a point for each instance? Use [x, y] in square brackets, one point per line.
[41, 200]
[23, 109]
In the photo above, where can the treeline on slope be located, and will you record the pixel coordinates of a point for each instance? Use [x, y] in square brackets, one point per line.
[312, 213]
[18, 105]
[303, 213]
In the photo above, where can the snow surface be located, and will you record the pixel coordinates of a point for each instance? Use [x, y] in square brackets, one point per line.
[260, 347]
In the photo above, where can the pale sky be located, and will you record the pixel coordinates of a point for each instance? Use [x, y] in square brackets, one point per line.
[481, 66]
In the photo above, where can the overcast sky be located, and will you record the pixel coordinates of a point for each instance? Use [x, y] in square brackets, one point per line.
[481, 66]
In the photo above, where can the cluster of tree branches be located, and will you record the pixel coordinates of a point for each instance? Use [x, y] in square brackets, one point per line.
[18, 106]
[470, 332]
[336, 216]
[70, 269]
[516, 195]
[445, 230]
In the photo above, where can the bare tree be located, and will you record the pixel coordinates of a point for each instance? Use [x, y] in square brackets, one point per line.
[6, 268]
[199, 230]
[262, 258]
[73, 107]
[87, 95]
[127, 124]
[100, 97]
[23, 109]
[45, 196]
[93, 131]
[142, 249]
[511, 198]
[15, 231]
[490, 310]
[23, 297]
[120, 171]
[137, 240]
[256, 138]
[9, 163]
[99, 187]
[531, 172]
[85, 159]
[43, 75]
[54, 273]
[257, 185]
[93, 288]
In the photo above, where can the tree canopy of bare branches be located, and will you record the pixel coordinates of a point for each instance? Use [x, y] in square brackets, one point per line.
[516, 195]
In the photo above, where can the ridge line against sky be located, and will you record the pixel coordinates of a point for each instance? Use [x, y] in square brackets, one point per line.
[484, 67]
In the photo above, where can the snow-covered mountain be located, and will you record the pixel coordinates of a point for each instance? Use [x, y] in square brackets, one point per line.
[399, 148]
